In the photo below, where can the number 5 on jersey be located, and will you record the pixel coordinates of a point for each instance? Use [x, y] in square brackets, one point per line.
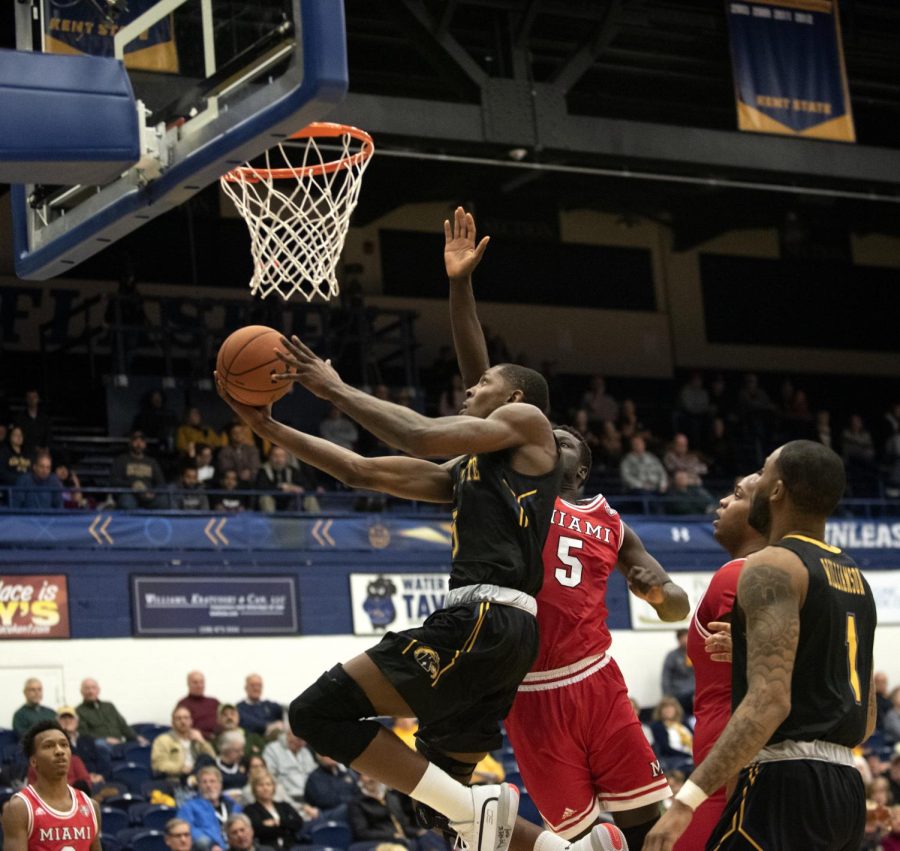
[570, 576]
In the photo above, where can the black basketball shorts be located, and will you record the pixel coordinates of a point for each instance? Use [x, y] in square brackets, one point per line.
[459, 671]
[793, 805]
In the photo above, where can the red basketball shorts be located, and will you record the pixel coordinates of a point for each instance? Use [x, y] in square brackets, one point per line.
[580, 747]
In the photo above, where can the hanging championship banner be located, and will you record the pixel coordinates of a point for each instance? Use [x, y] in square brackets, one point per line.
[788, 67]
[81, 26]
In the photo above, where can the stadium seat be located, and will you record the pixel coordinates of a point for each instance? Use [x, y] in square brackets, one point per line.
[112, 820]
[122, 802]
[332, 833]
[149, 840]
[136, 754]
[132, 775]
[7, 737]
[127, 834]
[110, 843]
[149, 731]
[136, 812]
[156, 816]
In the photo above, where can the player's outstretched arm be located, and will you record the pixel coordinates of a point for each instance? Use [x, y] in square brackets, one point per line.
[461, 256]
[410, 478]
[771, 590]
[15, 826]
[648, 579]
[510, 426]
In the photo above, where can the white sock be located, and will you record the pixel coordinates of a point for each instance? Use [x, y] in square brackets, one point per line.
[548, 841]
[444, 794]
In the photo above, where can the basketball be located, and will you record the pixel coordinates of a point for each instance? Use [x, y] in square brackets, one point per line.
[247, 362]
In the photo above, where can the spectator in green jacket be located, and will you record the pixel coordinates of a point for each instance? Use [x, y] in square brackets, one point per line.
[101, 721]
[27, 715]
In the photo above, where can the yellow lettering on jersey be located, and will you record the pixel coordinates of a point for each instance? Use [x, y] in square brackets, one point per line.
[470, 471]
[843, 578]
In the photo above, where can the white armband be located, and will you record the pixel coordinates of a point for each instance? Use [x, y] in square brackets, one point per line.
[691, 795]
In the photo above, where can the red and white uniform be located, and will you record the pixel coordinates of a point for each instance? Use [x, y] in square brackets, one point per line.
[53, 830]
[712, 694]
[579, 745]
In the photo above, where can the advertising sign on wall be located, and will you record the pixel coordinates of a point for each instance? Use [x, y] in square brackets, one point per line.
[34, 606]
[395, 601]
[198, 606]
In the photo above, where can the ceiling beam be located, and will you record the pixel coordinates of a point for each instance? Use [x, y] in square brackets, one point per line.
[584, 59]
[630, 144]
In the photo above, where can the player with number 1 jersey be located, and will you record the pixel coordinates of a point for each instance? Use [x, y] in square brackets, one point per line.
[572, 711]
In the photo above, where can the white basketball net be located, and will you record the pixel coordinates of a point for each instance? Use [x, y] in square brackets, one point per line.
[298, 212]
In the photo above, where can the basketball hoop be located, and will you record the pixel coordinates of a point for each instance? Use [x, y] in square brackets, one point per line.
[298, 228]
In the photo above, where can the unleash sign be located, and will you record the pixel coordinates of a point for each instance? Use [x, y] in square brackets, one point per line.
[34, 606]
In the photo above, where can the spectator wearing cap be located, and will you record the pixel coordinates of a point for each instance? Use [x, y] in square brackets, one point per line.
[39, 489]
[204, 710]
[230, 721]
[139, 472]
[96, 760]
[264, 717]
[27, 715]
[101, 720]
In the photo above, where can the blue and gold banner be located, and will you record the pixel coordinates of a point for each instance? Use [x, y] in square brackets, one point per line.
[788, 67]
[79, 26]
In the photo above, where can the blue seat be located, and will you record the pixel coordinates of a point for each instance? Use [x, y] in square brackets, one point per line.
[332, 833]
[149, 731]
[136, 812]
[132, 775]
[110, 843]
[127, 834]
[136, 754]
[122, 802]
[8, 737]
[149, 840]
[156, 816]
[112, 820]
[11, 753]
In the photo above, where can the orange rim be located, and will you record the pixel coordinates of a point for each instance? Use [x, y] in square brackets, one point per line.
[316, 130]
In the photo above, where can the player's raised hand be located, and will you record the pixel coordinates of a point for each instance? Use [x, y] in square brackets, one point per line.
[253, 417]
[461, 254]
[316, 375]
[718, 645]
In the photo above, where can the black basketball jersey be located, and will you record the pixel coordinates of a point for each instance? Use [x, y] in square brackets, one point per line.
[832, 671]
[500, 521]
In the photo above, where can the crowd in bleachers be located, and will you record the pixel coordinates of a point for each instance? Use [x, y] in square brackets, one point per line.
[219, 776]
[232, 776]
[676, 456]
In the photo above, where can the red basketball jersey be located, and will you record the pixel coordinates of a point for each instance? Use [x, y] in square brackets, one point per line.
[52, 830]
[581, 550]
[712, 689]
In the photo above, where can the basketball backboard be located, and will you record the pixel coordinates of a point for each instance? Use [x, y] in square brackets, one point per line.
[217, 82]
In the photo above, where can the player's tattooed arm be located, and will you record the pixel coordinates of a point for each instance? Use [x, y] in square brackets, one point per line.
[648, 579]
[770, 592]
[872, 714]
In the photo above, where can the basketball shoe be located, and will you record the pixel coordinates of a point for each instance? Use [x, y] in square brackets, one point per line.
[495, 816]
[604, 837]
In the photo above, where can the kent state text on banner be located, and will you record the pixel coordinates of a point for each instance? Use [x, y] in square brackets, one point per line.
[788, 66]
